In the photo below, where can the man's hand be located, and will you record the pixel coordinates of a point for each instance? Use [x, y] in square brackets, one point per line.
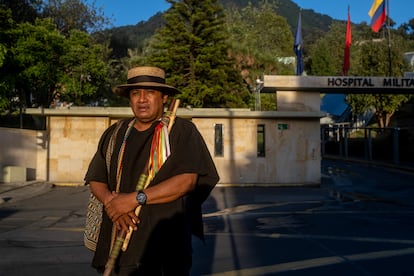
[121, 204]
[127, 222]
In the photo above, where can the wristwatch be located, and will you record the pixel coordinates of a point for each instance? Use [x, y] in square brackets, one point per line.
[141, 198]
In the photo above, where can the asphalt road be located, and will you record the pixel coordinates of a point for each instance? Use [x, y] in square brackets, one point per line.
[339, 228]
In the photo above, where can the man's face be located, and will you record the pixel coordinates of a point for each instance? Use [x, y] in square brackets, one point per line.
[147, 106]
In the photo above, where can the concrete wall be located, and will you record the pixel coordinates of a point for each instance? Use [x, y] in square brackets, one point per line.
[73, 142]
[292, 155]
[18, 149]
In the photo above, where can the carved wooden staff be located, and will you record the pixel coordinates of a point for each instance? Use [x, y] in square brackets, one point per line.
[123, 237]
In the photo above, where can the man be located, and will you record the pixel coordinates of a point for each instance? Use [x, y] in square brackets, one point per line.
[171, 205]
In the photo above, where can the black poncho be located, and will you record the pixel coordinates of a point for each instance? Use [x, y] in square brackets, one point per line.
[165, 229]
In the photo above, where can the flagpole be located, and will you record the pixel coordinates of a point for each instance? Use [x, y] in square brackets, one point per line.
[389, 38]
[297, 46]
[348, 41]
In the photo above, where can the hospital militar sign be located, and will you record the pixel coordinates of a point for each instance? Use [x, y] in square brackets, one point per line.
[336, 84]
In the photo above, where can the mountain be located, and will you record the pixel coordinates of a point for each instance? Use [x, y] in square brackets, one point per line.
[314, 25]
[133, 36]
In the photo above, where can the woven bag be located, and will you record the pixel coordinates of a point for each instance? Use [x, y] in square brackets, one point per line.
[95, 207]
[93, 223]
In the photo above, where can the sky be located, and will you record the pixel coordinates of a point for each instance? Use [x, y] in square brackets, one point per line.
[130, 12]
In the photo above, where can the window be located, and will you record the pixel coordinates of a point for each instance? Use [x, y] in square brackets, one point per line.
[218, 140]
[261, 145]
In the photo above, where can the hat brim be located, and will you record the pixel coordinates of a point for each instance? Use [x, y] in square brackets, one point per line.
[123, 90]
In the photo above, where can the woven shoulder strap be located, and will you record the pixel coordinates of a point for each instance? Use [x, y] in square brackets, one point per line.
[111, 145]
[95, 207]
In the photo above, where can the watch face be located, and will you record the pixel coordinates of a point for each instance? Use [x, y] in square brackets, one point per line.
[141, 198]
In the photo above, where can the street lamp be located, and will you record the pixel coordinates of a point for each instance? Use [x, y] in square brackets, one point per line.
[258, 87]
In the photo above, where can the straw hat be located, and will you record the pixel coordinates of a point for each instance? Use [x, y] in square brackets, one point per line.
[145, 77]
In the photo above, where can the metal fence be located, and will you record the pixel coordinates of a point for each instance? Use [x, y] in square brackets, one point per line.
[395, 145]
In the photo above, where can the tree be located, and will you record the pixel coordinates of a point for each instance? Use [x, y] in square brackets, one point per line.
[37, 65]
[75, 15]
[327, 53]
[261, 43]
[22, 10]
[45, 66]
[84, 69]
[406, 30]
[193, 50]
[379, 58]
[371, 55]
[6, 39]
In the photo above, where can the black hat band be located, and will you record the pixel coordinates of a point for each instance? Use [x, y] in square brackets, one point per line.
[139, 79]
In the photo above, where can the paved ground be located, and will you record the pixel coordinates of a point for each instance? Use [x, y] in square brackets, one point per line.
[358, 213]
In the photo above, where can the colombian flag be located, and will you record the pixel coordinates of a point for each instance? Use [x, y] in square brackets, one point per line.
[378, 14]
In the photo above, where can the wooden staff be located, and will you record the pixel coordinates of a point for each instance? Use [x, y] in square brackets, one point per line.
[123, 237]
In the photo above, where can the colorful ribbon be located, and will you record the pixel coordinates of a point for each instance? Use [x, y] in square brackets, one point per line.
[160, 149]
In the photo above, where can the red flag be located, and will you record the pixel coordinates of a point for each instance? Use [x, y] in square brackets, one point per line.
[348, 42]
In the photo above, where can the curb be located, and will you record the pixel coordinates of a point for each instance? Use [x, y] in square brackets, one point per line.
[359, 196]
[68, 184]
[20, 191]
[10, 186]
[396, 166]
[268, 185]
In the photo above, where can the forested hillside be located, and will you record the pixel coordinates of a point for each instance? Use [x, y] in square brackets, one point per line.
[314, 25]
[54, 52]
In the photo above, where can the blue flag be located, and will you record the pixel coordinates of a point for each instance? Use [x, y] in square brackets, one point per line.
[297, 47]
